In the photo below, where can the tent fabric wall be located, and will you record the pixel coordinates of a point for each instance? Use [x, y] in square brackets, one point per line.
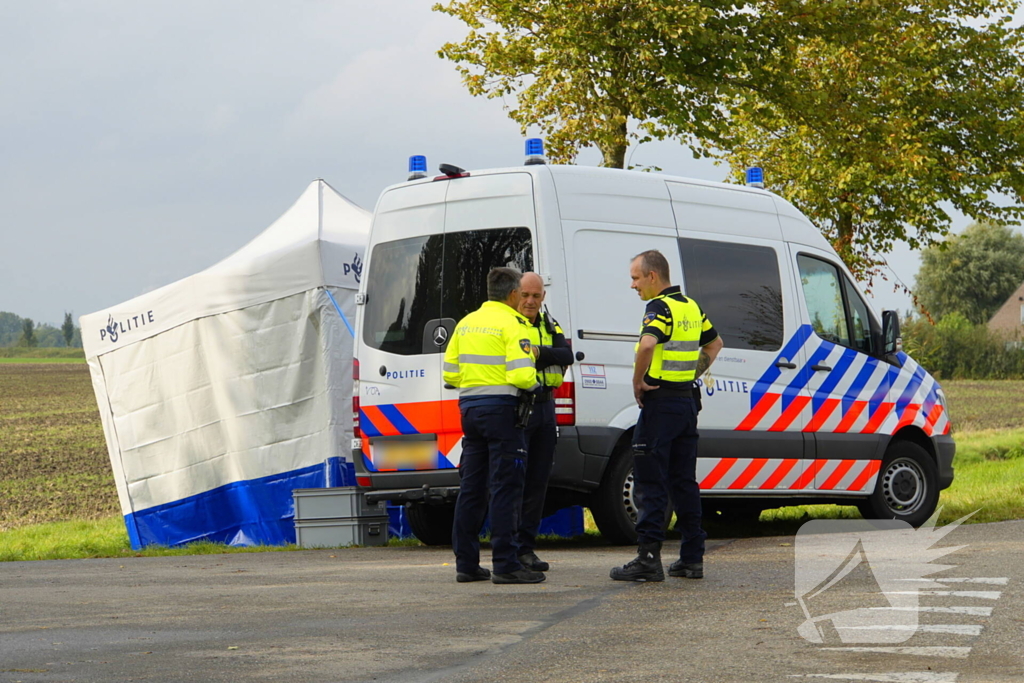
[211, 421]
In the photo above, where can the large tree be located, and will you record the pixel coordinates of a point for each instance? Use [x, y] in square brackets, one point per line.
[582, 71]
[867, 116]
[972, 273]
[874, 122]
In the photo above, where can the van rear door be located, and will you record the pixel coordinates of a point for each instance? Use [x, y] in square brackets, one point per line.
[400, 359]
[489, 223]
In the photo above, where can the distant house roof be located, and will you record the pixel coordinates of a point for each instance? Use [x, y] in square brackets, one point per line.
[1009, 319]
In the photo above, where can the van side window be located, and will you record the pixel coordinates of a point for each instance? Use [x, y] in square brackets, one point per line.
[416, 280]
[837, 312]
[738, 287]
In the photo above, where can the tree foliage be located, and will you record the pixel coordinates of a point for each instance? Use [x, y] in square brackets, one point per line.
[28, 333]
[581, 70]
[868, 116]
[12, 332]
[68, 328]
[972, 273]
[868, 120]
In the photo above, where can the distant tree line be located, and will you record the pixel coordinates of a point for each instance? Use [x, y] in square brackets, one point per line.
[18, 331]
[962, 282]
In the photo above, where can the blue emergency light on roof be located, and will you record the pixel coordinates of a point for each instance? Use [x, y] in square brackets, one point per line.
[417, 167]
[755, 177]
[535, 152]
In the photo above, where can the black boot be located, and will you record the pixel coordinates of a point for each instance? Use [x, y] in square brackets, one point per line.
[646, 566]
[691, 570]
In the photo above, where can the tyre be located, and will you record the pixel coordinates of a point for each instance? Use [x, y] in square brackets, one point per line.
[431, 524]
[612, 504]
[907, 487]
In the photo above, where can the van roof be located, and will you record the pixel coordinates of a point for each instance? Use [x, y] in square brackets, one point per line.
[795, 227]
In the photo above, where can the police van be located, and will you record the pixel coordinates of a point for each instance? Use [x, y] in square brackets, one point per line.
[811, 400]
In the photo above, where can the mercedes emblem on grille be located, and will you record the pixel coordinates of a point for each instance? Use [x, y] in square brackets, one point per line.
[440, 335]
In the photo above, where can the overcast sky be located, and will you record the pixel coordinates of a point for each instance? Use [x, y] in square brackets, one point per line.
[142, 142]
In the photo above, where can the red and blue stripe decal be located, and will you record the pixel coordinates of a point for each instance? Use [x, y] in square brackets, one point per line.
[877, 392]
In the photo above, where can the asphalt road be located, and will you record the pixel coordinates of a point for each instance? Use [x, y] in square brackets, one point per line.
[397, 614]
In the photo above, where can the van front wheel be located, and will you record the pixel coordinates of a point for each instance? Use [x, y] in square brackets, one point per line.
[907, 487]
[432, 524]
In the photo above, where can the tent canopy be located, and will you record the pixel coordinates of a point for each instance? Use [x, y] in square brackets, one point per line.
[318, 242]
[221, 393]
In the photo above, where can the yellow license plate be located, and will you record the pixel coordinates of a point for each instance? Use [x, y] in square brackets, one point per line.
[404, 455]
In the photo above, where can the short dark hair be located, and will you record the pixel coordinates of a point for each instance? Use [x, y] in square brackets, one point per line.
[653, 260]
[501, 282]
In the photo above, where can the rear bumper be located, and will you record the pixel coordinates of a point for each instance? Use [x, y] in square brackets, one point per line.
[945, 448]
[436, 487]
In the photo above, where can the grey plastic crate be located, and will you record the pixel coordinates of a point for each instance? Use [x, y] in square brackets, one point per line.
[342, 502]
[330, 533]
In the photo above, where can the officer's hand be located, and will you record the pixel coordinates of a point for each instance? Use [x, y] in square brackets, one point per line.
[638, 391]
[535, 350]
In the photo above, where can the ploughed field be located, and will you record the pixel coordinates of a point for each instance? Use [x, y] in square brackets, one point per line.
[54, 464]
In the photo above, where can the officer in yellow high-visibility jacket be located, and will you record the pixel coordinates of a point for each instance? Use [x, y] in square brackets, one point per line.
[490, 360]
[553, 354]
[677, 344]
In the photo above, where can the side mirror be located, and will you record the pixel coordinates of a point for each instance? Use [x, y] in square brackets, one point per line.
[892, 342]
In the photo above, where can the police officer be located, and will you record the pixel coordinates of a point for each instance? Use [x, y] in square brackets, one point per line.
[552, 353]
[677, 344]
[490, 360]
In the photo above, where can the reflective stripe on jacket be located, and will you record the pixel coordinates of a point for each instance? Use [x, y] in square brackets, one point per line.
[551, 376]
[490, 353]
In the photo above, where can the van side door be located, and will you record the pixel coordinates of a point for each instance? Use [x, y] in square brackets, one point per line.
[753, 415]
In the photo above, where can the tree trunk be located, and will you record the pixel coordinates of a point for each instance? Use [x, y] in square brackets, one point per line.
[613, 152]
[844, 240]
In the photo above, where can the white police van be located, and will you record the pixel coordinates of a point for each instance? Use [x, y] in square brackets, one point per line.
[811, 400]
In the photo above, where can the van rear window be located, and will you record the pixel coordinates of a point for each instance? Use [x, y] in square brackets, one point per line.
[738, 287]
[417, 282]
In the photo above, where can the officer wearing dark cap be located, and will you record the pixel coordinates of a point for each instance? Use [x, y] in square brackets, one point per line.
[677, 344]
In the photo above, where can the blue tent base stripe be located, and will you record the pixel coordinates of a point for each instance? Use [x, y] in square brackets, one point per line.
[253, 512]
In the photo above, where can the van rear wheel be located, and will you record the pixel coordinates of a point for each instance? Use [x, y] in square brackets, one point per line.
[907, 487]
[612, 504]
[432, 524]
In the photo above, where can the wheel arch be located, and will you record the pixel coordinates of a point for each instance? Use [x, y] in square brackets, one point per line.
[916, 435]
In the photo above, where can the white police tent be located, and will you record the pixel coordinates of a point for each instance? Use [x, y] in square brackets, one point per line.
[221, 393]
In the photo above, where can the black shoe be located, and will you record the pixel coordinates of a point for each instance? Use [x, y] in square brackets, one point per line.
[478, 574]
[692, 570]
[518, 576]
[533, 563]
[646, 566]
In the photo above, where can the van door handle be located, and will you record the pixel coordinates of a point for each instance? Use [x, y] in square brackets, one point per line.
[785, 364]
[821, 367]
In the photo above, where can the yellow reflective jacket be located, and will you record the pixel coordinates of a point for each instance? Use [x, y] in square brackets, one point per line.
[679, 335]
[490, 353]
[552, 375]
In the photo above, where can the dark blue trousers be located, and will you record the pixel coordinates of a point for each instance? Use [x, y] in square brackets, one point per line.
[493, 461]
[665, 466]
[541, 435]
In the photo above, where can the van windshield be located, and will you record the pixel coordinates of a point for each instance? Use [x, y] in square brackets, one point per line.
[414, 283]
